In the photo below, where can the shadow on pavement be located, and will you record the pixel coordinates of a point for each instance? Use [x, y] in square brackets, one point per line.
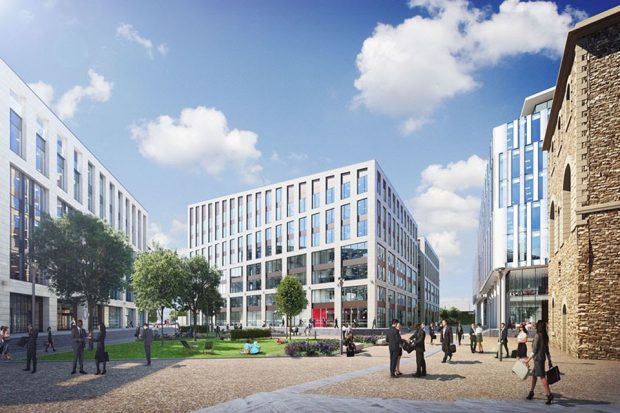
[443, 377]
[568, 402]
[465, 362]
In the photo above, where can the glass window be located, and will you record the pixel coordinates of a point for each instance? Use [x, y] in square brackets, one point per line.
[61, 179]
[509, 135]
[329, 226]
[345, 222]
[296, 267]
[290, 236]
[236, 280]
[91, 187]
[323, 266]
[268, 242]
[357, 293]
[253, 277]
[381, 264]
[522, 132]
[268, 206]
[258, 239]
[278, 204]
[16, 133]
[515, 164]
[248, 247]
[41, 155]
[529, 159]
[302, 233]
[536, 216]
[77, 178]
[258, 208]
[316, 194]
[362, 218]
[249, 208]
[515, 191]
[290, 200]
[330, 189]
[101, 196]
[535, 127]
[362, 181]
[323, 296]
[316, 229]
[278, 239]
[302, 197]
[345, 185]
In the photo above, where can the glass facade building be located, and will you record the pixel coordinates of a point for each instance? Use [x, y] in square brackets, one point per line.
[326, 227]
[510, 280]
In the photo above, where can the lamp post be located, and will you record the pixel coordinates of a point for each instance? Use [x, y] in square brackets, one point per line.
[500, 274]
[340, 283]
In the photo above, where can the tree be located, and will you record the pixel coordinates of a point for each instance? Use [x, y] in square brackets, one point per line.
[156, 279]
[198, 286]
[290, 298]
[84, 259]
[174, 315]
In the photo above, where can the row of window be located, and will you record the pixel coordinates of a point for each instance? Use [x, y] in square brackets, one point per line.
[522, 233]
[398, 209]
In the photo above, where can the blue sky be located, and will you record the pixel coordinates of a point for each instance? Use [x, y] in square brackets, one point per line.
[184, 101]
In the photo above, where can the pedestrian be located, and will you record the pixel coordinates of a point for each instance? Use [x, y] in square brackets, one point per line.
[336, 322]
[540, 349]
[400, 352]
[504, 340]
[6, 337]
[78, 337]
[217, 331]
[418, 341]
[472, 338]
[393, 339]
[100, 355]
[446, 340]
[479, 338]
[50, 341]
[459, 332]
[431, 331]
[522, 342]
[147, 336]
[31, 349]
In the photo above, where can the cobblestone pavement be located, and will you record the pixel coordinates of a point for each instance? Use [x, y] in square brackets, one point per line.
[471, 382]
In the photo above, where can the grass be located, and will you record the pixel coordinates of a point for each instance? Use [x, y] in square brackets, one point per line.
[173, 349]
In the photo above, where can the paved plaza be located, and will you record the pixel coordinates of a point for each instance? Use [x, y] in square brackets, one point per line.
[471, 382]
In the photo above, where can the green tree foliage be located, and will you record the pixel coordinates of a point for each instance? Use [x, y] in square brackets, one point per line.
[157, 277]
[290, 298]
[198, 287]
[84, 259]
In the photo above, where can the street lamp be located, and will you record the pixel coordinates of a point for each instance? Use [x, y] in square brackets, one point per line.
[340, 283]
[500, 274]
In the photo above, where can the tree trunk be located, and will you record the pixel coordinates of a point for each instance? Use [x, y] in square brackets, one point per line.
[91, 321]
[194, 317]
[162, 326]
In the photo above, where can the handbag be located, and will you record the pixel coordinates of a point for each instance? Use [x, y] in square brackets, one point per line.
[520, 369]
[553, 375]
[107, 356]
[452, 348]
[408, 346]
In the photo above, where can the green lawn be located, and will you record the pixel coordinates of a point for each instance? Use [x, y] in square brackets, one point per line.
[173, 349]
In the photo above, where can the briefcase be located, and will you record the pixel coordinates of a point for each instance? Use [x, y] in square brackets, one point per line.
[452, 348]
[408, 346]
[520, 369]
[553, 375]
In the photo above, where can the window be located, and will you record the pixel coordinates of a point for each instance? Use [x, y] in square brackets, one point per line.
[329, 189]
[329, 226]
[535, 127]
[249, 208]
[345, 185]
[362, 181]
[362, 218]
[296, 267]
[248, 247]
[323, 296]
[273, 273]
[101, 196]
[61, 179]
[77, 177]
[381, 264]
[316, 229]
[354, 261]
[236, 280]
[259, 244]
[259, 208]
[522, 132]
[509, 136]
[240, 214]
[378, 219]
[268, 242]
[290, 200]
[522, 233]
[345, 222]
[323, 266]
[253, 277]
[290, 236]
[302, 197]
[357, 293]
[515, 191]
[278, 239]
[91, 188]
[268, 206]
[316, 194]
[41, 155]
[112, 197]
[302, 233]
[278, 204]
[502, 180]
[17, 144]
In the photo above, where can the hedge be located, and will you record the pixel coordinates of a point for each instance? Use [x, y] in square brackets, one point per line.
[199, 329]
[250, 333]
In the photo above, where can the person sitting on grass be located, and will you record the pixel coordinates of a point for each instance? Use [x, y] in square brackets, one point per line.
[255, 348]
[247, 347]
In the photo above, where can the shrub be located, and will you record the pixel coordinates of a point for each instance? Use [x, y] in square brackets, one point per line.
[250, 333]
[367, 339]
[184, 329]
[306, 348]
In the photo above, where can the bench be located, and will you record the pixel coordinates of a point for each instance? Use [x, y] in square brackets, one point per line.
[187, 346]
[208, 347]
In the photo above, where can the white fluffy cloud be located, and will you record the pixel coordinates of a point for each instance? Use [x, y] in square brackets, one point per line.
[440, 209]
[127, 32]
[200, 139]
[173, 236]
[409, 69]
[98, 90]
[445, 243]
[459, 175]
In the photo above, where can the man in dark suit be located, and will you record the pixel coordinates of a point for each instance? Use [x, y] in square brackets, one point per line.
[418, 341]
[504, 340]
[147, 335]
[78, 337]
[472, 338]
[31, 349]
[446, 340]
[393, 339]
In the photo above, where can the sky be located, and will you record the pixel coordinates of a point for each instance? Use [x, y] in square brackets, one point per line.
[186, 101]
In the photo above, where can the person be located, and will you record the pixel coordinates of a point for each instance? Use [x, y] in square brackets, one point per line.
[78, 337]
[348, 330]
[255, 348]
[6, 337]
[374, 323]
[50, 341]
[393, 339]
[100, 354]
[446, 340]
[217, 331]
[400, 353]
[336, 322]
[504, 340]
[540, 349]
[479, 338]
[459, 332]
[247, 347]
[418, 341]
[472, 338]
[431, 330]
[147, 336]
[522, 342]
[350, 345]
[31, 349]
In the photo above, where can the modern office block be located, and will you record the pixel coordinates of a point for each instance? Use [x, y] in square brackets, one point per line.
[428, 283]
[45, 169]
[510, 279]
[346, 224]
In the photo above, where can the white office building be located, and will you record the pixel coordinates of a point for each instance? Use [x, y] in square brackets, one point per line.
[428, 283]
[345, 224]
[510, 278]
[44, 168]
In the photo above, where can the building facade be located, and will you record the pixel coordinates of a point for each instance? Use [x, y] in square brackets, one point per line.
[510, 279]
[583, 142]
[346, 224]
[45, 169]
[428, 283]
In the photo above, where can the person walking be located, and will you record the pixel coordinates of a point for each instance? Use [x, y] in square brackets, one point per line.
[446, 340]
[503, 341]
[100, 354]
[217, 331]
[400, 352]
[431, 331]
[418, 341]
[472, 338]
[6, 337]
[50, 341]
[540, 350]
[336, 322]
[147, 335]
[78, 337]
[31, 349]
[459, 332]
[479, 338]
[393, 339]
[522, 342]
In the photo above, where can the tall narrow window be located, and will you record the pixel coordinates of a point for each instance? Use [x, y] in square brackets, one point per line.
[362, 218]
[329, 226]
[536, 127]
[316, 194]
[345, 222]
[345, 185]
[101, 196]
[259, 208]
[278, 204]
[259, 243]
[290, 200]
[302, 197]
[61, 180]
[77, 177]
[290, 236]
[362, 181]
[41, 155]
[510, 136]
[268, 206]
[268, 242]
[91, 187]
[330, 189]
[17, 144]
[112, 198]
[302, 233]
[278, 239]
[316, 229]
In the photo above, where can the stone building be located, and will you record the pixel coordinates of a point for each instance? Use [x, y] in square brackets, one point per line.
[583, 142]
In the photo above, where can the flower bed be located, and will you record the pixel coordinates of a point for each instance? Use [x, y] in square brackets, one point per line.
[310, 349]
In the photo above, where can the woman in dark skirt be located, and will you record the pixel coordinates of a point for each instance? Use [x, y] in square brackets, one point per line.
[100, 353]
[540, 350]
[522, 342]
